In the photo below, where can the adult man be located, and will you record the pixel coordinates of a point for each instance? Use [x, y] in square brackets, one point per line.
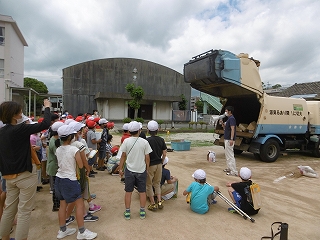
[135, 151]
[229, 139]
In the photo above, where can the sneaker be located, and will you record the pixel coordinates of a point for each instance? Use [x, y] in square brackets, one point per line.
[213, 201]
[91, 175]
[101, 169]
[232, 174]
[142, 214]
[160, 205]
[93, 196]
[226, 170]
[68, 232]
[127, 215]
[94, 209]
[93, 172]
[231, 210]
[70, 220]
[90, 218]
[153, 207]
[87, 235]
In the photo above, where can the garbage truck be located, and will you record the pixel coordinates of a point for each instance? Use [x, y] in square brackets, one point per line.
[267, 126]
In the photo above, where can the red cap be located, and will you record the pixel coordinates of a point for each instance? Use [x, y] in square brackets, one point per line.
[114, 149]
[40, 120]
[79, 119]
[96, 119]
[110, 125]
[91, 124]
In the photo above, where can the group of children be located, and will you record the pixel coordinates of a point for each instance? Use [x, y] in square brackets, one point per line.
[201, 194]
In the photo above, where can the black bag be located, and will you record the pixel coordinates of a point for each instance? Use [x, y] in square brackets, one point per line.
[282, 230]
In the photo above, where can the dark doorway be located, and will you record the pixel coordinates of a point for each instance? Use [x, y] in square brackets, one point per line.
[144, 112]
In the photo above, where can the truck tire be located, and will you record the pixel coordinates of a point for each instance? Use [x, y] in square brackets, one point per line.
[270, 151]
[257, 156]
[237, 151]
[316, 150]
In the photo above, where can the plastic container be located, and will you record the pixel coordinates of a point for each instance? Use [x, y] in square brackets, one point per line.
[181, 145]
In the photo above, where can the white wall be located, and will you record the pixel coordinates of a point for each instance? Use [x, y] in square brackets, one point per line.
[162, 111]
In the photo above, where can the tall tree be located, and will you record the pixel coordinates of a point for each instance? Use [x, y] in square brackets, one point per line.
[39, 87]
[183, 103]
[137, 94]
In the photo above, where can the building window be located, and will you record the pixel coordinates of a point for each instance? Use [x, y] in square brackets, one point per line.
[1, 35]
[1, 68]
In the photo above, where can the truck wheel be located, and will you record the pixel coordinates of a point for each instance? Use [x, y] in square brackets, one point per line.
[237, 151]
[257, 156]
[316, 150]
[270, 151]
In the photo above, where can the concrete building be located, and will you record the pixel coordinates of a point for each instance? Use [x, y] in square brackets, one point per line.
[100, 84]
[12, 45]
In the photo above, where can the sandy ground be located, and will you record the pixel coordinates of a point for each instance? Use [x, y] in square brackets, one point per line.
[294, 200]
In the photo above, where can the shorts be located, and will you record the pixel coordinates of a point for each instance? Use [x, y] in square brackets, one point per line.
[92, 161]
[237, 198]
[102, 154]
[135, 179]
[66, 189]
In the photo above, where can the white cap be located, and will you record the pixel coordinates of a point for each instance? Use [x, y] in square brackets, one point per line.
[153, 126]
[55, 126]
[245, 173]
[165, 161]
[102, 121]
[133, 126]
[68, 121]
[63, 116]
[91, 118]
[199, 174]
[125, 126]
[77, 125]
[65, 131]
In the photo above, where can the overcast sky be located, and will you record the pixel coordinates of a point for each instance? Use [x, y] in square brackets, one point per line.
[283, 34]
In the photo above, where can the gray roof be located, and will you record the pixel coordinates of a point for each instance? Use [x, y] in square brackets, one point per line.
[306, 90]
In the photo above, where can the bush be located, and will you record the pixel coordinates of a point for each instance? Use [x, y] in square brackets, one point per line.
[139, 120]
[126, 120]
[160, 122]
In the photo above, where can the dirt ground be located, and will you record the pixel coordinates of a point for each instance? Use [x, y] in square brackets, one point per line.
[294, 200]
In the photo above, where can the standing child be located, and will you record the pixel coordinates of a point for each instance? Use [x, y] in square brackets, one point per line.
[67, 187]
[202, 194]
[135, 151]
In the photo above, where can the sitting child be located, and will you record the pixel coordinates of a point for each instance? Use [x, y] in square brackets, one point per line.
[202, 194]
[169, 183]
[237, 192]
[113, 162]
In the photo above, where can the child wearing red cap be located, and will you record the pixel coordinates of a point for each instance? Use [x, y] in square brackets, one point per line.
[113, 161]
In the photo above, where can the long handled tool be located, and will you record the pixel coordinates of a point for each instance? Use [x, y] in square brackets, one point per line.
[235, 207]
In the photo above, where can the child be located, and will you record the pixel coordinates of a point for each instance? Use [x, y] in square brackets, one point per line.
[67, 187]
[237, 192]
[113, 162]
[135, 151]
[201, 194]
[169, 183]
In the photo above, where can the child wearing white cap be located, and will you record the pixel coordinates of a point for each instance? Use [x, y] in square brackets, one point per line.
[202, 194]
[237, 192]
[67, 188]
[135, 151]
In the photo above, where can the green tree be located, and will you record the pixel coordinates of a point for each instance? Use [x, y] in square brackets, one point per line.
[199, 105]
[183, 103]
[276, 86]
[39, 87]
[137, 94]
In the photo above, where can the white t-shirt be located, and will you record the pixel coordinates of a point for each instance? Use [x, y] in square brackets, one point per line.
[66, 162]
[86, 146]
[136, 157]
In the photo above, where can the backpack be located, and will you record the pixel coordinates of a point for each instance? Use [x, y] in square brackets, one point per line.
[253, 195]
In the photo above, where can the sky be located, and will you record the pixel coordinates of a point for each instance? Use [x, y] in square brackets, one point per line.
[283, 35]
